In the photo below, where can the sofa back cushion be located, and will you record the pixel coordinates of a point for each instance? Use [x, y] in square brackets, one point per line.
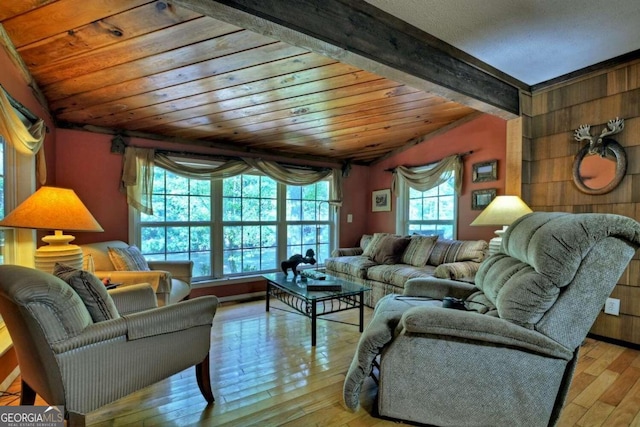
[446, 251]
[365, 240]
[418, 251]
[385, 248]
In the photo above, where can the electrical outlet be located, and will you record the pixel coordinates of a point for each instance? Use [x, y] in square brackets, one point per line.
[349, 218]
[612, 306]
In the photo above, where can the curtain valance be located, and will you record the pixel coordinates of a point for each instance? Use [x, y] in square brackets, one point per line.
[423, 180]
[137, 176]
[25, 139]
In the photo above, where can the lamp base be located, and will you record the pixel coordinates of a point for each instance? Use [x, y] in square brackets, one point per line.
[58, 250]
[496, 242]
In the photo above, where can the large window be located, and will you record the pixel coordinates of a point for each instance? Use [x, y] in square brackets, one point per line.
[240, 225]
[429, 212]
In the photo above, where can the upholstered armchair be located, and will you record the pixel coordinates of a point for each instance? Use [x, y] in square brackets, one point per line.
[79, 347]
[508, 356]
[171, 280]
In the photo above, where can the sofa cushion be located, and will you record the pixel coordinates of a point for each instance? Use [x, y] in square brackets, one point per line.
[446, 251]
[91, 290]
[398, 274]
[386, 248]
[418, 251]
[128, 259]
[461, 270]
[355, 266]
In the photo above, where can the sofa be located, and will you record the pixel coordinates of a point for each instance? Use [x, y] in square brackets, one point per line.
[384, 261]
[170, 280]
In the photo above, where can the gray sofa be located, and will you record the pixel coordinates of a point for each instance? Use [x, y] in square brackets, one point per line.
[508, 357]
[384, 261]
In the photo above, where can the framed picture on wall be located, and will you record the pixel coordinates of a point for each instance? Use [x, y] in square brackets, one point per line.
[485, 171]
[481, 198]
[381, 200]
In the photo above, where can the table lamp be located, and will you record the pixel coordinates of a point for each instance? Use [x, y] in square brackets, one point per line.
[58, 209]
[502, 210]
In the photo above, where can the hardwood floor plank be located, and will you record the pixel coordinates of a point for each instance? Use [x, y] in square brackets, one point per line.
[264, 372]
[596, 415]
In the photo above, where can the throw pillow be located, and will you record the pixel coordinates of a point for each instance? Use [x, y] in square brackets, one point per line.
[128, 259]
[372, 247]
[91, 290]
[365, 240]
[418, 251]
[446, 251]
[390, 249]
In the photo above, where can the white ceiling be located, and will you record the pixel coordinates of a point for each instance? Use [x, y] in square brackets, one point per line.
[530, 40]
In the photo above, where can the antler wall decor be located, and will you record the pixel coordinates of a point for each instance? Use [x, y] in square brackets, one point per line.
[595, 145]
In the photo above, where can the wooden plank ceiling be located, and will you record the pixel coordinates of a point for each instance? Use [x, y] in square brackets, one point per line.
[150, 68]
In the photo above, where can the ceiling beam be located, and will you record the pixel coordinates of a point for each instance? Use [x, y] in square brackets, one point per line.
[356, 33]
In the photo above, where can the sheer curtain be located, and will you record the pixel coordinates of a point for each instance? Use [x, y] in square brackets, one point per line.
[137, 176]
[423, 180]
[25, 139]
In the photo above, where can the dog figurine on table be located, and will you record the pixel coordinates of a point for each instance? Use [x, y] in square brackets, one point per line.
[294, 260]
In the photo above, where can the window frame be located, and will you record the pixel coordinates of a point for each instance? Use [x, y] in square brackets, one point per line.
[217, 226]
[403, 202]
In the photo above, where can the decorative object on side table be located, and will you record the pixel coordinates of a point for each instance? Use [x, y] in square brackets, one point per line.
[480, 199]
[503, 210]
[294, 260]
[58, 209]
[485, 171]
[381, 200]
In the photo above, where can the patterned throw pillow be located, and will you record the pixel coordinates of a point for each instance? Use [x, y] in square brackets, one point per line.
[446, 251]
[419, 250]
[365, 240]
[374, 243]
[128, 259]
[91, 290]
[388, 249]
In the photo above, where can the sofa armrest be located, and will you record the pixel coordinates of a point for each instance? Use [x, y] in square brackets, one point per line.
[133, 298]
[182, 270]
[431, 287]
[457, 270]
[469, 325]
[347, 252]
[159, 280]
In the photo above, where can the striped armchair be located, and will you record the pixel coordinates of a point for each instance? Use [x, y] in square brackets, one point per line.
[70, 358]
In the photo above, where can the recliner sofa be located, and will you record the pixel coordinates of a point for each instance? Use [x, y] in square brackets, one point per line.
[509, 357]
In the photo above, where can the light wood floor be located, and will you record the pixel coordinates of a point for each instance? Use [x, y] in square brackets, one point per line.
[265, 373]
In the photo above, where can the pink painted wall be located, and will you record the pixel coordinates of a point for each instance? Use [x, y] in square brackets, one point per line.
[485, 136]
[355, 202]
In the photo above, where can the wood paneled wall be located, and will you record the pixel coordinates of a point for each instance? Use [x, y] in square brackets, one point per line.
[547, 179]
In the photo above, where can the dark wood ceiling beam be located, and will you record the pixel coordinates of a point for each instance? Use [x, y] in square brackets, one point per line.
[362, 35]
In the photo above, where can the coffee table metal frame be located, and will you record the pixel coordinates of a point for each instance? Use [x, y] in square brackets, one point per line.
[314, 304]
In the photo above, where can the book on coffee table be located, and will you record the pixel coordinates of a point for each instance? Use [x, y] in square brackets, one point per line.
[327, 286]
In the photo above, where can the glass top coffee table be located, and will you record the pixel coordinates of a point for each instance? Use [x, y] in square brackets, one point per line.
[334, 295]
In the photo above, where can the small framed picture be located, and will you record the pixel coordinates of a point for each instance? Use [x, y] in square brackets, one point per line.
[485, 171]
[481, 198]
[381, 200]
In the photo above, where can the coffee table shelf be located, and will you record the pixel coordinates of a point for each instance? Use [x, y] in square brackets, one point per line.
[314, 304]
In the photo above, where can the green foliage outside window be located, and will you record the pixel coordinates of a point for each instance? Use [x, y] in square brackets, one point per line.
[433, 211]
[183, 225]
